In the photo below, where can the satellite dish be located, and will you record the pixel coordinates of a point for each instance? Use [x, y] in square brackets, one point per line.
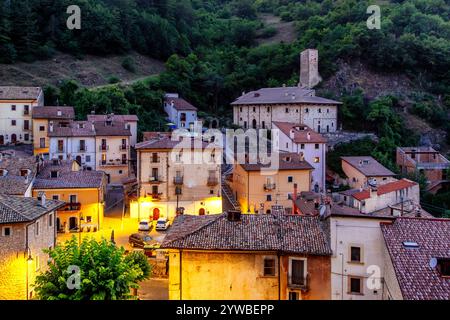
[433, 263]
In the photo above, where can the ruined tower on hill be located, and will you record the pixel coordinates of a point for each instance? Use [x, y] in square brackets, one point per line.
[309, 69]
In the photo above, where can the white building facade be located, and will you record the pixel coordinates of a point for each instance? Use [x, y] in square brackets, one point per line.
[180, 112]
[311, 145]
[16, 105]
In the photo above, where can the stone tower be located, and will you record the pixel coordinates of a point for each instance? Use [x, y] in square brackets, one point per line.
[309, 69]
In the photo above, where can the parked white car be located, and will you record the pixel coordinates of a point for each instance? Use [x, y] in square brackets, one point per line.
[144, 225]
[162, 224]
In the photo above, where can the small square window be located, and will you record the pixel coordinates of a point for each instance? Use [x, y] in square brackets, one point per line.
[41, 128]
[50, 220]
[13, 122]
[316, 159]
[54, 174]
[302, 146]
[316, 146]
[120, 171]
[355, 285]
[269, 267]
[355, 254]
[55, 197]
[211, 191]
[6, 231]
[290, 179]
[13, 107]
[269, 197]
[287, 110]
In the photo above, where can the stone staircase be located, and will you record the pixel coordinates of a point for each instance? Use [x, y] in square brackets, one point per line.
[228, 193]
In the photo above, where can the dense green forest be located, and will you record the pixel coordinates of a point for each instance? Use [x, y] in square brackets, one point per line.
[212, 54]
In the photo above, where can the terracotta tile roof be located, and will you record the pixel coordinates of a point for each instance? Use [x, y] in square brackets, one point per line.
[385, 188]
[417, 280]
[14, 209]
[115, 117]
[12, 182]
[153, 135]
[116, 128]
[302, 133]
[20, 93]
[287, 161]
[266, 232]
[67, 178]
[74, 129]
[342, 210]
[282, 95]
[165, 141]
[49, 112]
[180, 104]
[368, 166]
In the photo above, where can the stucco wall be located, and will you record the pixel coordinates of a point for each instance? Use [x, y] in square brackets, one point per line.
[13, 257]
[234, 275]
[361, 232]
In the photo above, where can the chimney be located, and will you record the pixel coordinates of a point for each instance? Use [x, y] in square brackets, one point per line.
[92, 126]
[50, 128]
[234, 215]
[294, 198]
[93, 112]
[308, 136]
[292, 134]
[43, 199]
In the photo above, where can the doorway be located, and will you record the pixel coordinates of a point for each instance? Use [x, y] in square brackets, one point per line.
[73, 223]
[201, 212]
[155, 214]
[2, 140]
[13, 138]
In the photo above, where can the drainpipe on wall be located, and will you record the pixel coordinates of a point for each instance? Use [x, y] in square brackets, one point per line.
[279, 276]
[181, 275]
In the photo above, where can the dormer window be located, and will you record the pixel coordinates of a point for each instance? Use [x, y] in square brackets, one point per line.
[54, 174]
[108, 123]
[3, 172]
[443, 266]
[24, 172]
[81, 125]
[59, 113]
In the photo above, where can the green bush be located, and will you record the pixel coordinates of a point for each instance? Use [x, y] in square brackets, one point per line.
[113, 79]
[128, 64]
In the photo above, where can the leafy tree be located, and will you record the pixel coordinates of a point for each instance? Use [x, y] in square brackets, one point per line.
[105, 272]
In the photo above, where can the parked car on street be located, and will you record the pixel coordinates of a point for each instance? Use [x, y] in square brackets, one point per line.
[145, 225]
[162, 224]
[143, 241]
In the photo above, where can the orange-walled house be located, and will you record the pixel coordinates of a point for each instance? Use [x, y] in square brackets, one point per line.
[248, 257]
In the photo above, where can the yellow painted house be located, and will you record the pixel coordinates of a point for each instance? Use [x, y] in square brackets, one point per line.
[236, 256]
[43, 117]
[82, 190]
[258, 192]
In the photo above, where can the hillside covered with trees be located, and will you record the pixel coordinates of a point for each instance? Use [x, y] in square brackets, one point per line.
[212, 54]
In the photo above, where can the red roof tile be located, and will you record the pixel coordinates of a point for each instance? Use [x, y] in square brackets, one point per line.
[417, 280]
[385, 188]
[300, 136]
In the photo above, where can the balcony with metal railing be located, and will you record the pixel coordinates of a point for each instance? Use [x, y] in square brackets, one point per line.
[155, 179]
[212, 181]
[113, 163]
[269, 186]
[123, 147]
[299, 282]
[155, 160]
[178, 180]
[71, 206]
